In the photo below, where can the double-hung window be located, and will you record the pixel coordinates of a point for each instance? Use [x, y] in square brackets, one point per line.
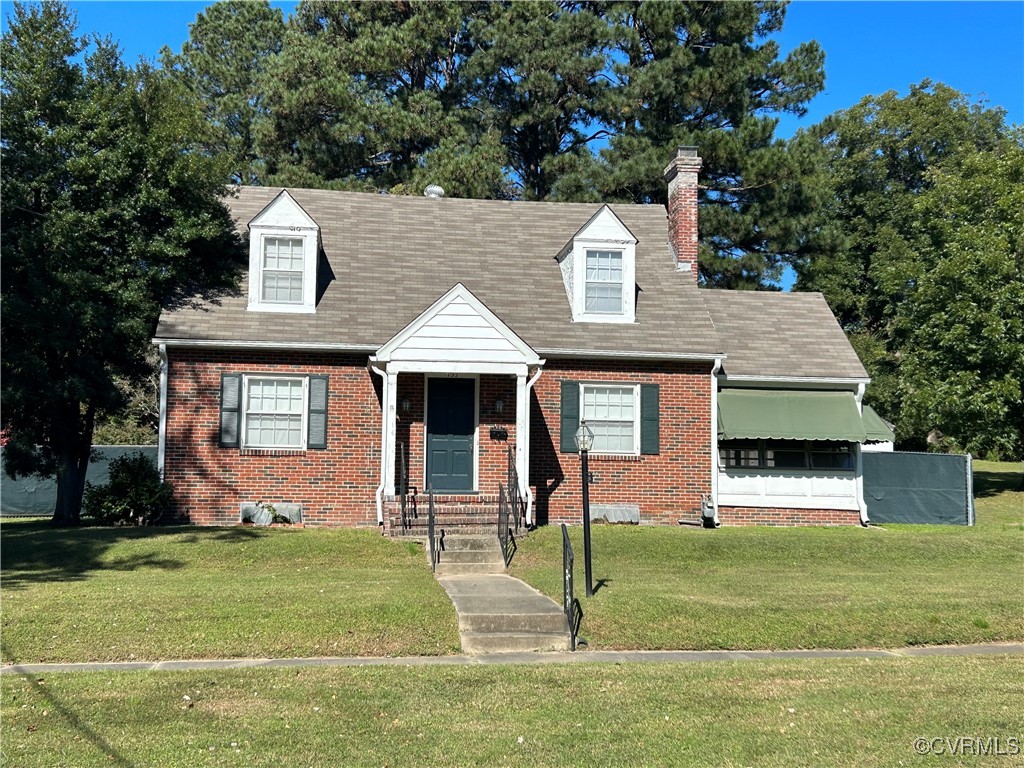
[613, 413]
[604, 285]
[274, 412]
[282, 272]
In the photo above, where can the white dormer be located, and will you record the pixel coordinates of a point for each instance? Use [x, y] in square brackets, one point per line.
[284, 242]
[599, 271]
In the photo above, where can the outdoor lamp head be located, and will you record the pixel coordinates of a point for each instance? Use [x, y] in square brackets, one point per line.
[584, 437]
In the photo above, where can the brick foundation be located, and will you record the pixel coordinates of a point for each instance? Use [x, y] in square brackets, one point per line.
[786, 517]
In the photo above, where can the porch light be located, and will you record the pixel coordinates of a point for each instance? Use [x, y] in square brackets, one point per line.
[406, 405]
[499, 406]
[584, 437]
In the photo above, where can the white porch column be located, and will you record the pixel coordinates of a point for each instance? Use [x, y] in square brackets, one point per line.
[522, 432]
[390, 429]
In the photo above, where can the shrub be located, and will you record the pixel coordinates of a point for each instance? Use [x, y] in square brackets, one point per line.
[134, 495]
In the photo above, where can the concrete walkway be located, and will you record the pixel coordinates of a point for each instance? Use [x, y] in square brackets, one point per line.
[502, 614]
[581, 657]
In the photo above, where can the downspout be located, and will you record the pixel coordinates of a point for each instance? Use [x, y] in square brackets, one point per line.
[526, 481]
[161, 449]
[385, 403]
[861, 504]
[714, 440]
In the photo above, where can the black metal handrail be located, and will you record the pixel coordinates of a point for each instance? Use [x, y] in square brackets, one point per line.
[407, 499]
[430, 529]
[568, 599]
[514, 491]
[506, 539]
[403, 484]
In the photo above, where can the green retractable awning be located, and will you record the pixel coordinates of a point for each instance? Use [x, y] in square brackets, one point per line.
[876, 428]
[789, 415]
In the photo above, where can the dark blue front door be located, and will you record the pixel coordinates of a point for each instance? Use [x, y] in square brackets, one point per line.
[451, 424]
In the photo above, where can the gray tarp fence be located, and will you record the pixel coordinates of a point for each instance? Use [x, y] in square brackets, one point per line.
[35, 497]
[903, 487]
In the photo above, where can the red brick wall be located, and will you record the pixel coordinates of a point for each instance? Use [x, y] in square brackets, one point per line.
[787, 517]
[667, 486]
[338, 486]
[334, 487]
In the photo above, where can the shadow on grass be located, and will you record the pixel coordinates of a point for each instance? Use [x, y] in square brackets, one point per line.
[36, 552]
[989, 483]
[58, 707]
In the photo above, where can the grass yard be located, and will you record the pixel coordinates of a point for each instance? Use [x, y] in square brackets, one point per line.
[118, 594]
[663, 588]
[823, 712]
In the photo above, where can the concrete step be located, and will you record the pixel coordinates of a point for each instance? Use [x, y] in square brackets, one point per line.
[514, 642]
[469, 569]
[470, 556]
[454, 542]
[513, 623]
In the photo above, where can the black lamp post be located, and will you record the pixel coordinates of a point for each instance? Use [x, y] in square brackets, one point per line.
[584, 438]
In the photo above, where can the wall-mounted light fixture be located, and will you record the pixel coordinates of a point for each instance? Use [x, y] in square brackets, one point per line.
[406, 405]
[499, 406]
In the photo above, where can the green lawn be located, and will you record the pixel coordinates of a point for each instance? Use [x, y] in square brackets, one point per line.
[172, 593]
[828, 712]
[845, 587]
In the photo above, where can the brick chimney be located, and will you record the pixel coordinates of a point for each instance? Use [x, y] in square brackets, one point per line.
[681, 175]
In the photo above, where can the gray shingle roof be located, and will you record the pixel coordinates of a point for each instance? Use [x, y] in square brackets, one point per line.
[393, 256]
[780, 334]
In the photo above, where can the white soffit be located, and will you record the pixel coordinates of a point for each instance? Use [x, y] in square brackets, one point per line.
[458, 327]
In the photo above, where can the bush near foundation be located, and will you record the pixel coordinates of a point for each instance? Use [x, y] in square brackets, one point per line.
[134, 495]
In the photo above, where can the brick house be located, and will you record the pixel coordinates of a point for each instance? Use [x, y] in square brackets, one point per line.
[380, 338]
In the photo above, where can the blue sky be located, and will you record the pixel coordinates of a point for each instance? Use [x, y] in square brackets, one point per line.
[870, 47]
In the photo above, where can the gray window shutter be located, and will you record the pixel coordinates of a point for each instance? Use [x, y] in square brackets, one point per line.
[570, 415]
[317, 433]
[649, 419]
[230, 410]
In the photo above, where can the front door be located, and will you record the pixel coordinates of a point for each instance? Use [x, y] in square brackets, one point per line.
[451, 426]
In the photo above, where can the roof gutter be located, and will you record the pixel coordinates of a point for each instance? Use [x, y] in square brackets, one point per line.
[271, 345]
[797, 379]
[630, 354]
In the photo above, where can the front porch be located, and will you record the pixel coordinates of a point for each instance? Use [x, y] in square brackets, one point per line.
[455, 417]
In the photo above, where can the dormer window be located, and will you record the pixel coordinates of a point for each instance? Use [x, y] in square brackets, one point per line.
[599, 271]
[282, 270]
[604, 282]
[283, 248]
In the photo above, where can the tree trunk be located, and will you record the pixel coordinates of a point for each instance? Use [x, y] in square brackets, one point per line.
[70, 489]
[71, 470]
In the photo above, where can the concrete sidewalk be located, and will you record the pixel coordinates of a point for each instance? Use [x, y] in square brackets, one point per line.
[561, 657]
[500, 614]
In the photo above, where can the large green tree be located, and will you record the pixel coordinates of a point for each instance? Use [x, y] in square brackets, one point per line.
[513, 98]
[710, 75]
[107, 211]
[370, 96]
[963, 355]
[229, 48]
[871, 246]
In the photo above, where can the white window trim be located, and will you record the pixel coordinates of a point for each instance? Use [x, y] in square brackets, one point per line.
[304, 416]
[628, 250]
[257, 243]
[584, 385]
